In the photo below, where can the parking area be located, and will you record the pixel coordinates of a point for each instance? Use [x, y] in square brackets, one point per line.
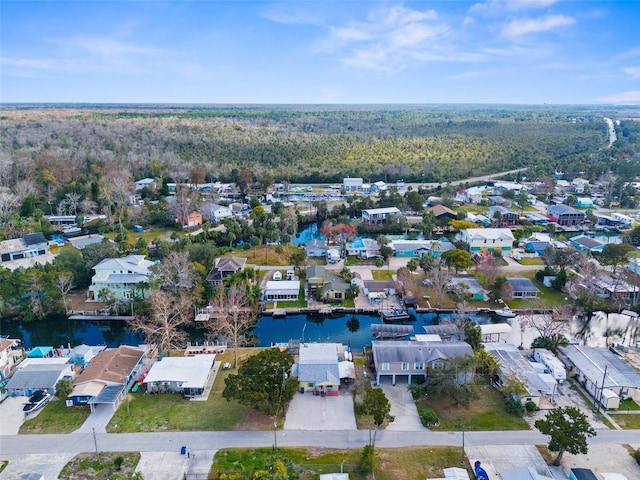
[11, 416]
[48, 465]
[310, 412]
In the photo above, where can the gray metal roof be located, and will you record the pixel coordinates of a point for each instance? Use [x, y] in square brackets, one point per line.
[470, 281]
[442, 329]
[521, 284]
[414, 351]
[591, 362]
[391, 328]
[512, 362]
[37, 376]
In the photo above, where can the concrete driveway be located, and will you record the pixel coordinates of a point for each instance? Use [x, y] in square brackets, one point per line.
[403, 408]
[310, 412]
[47, 464]
[11, 416]
[99, 420]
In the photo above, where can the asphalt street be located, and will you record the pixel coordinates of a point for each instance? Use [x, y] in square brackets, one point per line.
[171, 441]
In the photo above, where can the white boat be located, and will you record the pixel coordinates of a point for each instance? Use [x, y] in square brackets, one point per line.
[396, 316]
[38, 400]
[504, 312]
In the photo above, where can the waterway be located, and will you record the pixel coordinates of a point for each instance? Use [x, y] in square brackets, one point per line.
[348, 328]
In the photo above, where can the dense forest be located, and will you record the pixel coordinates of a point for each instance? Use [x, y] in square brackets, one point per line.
[307, 144]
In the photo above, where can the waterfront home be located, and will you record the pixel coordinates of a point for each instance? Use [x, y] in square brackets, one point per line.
[316, 248]
[625, 220]
[536, 246]
[378, 216]
[468, 285]
[121, 277]
[609, 287]
[503, 216]
[10, 355]
[377, 291]
[324, 285]
[318, 370]
[39, 376]
[352, 184]
[440, 211]
[283, 290]
[480, 220]
[106, 379]
[565, 215]
[588, 364]
[520, 287]
[364, 248]
[584, 202]
[28, 246]
[405, 361]
[224, 267]
[83, 354]
[584, 243]
[487, 239]
[186, 375]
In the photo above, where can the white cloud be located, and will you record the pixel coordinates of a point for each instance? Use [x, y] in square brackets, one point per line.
[625, 98]
[108, 47]
[30, 63]
[633, 72]
[497, 7]
[524, 26]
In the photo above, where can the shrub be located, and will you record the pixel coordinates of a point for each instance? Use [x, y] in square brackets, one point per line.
[417, 390]
[117, 462]
[531, 407]
[514, 406]
[428, 416]
[367, 459]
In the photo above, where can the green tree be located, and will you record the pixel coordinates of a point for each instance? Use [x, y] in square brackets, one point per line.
[568, 428]
[297, 258]
[615, 253]
[633, 237]
[263, 381]
[551, 342]
[64, 387]
[521, 200]
[378, 407]
[473, 335]
[457, 259]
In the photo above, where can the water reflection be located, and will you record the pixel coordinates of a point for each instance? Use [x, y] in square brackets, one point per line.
[605, 329]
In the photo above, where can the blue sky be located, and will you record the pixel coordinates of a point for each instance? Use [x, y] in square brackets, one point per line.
[342, 51]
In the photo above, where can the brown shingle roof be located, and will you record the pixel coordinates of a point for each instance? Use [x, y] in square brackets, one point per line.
[111, 365]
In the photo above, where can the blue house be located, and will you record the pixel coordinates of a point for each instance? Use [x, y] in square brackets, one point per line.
[536, 246]
[40, 352]
[584, 243]
[584, 202]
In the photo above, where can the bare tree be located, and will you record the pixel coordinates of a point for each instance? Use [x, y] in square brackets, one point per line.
[9, 203]
[440, 278]
[488, 266]
[70, 203]
[169, 314]
[175, 272]
[64, 284]
[233, 315]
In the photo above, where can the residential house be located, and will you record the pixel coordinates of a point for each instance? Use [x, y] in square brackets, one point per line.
[39, 376]
[579, 185]
[479, 220]
[440, 211]
[352, 184]
[212, 212]
[318, 368]
[418, 248]
[487, 239]
[378, 216]
[409, 360]
[224, 267]
[10, 355]
[625, 220]
[28, 246]
[536, 218]
[316, 248]
[121, 277]
[107, 378]
[584, 243]
[283, 290]
[146, 183]
[634, 265]
[565, 215]
[608, 287]
[186, 375]
[325, 285]
[193, 219]
[588, 366]
[520, 287]
[85, 240]
[83, 354]
[584, 202]
[41, 352]
[364, 248]
[498, 200]
[333, 255]
[377, 291]
[536, 246]
[503, 216]
[468, 285]
[378, 187]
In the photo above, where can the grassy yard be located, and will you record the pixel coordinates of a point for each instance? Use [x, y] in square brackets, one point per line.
[628, 404]
[275, 255]
[627, 421]
[486, 413]
[170, 412]
[531, 261]
[56, 417]
[547, 298]
[382, 274]
[110, 464]
[308, 463]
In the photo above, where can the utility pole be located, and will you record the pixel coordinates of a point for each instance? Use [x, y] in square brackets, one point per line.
[604, 377]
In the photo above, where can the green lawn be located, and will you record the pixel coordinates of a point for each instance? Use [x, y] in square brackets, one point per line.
[308, 463]
[382, 274]
[531, 261]
[486, 413]
[170, 412]
[56, 417]
[628, 404]
[627, 421]
[547, 298]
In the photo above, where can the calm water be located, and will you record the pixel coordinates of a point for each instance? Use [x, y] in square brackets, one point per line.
[348, 328]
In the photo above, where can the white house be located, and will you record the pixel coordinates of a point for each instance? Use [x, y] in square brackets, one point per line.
[378, 216]
[625, 220]
[352, 184]
[123, 277]
[187, 375]
[579, 184]
[487, 239]
[145, 183]
[285, 290]
[30, 245]
[213, 212]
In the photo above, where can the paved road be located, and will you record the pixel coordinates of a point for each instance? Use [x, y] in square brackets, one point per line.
[171, 441]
